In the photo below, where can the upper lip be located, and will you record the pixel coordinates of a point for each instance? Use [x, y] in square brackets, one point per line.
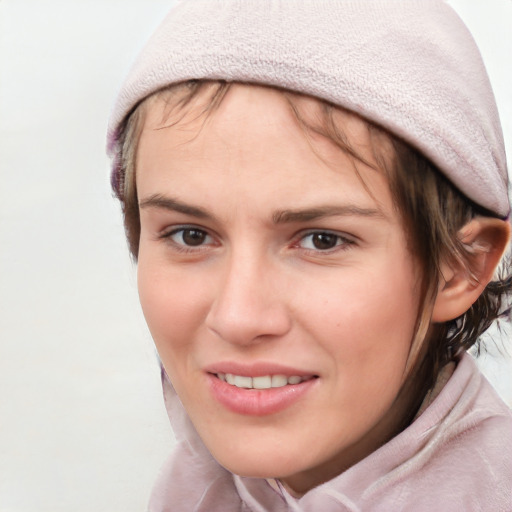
[258, 369]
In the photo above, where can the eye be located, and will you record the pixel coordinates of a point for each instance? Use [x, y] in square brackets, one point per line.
[323, 241]
[189, 237]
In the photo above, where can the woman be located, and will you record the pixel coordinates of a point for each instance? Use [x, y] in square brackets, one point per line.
[316, 195]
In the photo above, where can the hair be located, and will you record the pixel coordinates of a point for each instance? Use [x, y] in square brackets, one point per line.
[431, 208]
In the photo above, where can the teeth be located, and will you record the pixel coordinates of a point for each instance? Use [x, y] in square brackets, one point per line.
[278, 381]
[242, 382]
[263, 382]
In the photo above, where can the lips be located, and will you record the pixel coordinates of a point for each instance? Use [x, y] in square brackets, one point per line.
[258, 390]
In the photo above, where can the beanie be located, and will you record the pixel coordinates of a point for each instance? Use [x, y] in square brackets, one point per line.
[411, 67]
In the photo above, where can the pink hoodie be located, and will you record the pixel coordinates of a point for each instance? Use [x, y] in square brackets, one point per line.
[456, 456]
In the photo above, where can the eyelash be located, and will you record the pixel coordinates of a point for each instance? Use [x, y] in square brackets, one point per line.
[183, 247]
[342, 243]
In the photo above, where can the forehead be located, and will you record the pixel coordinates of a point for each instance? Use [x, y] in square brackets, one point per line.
[256, 132]
[189, 108]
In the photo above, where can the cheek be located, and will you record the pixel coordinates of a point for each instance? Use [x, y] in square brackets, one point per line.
[367, 326]
[172, 308]
[370, 348]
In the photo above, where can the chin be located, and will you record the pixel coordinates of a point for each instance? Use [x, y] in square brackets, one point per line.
[259, 463]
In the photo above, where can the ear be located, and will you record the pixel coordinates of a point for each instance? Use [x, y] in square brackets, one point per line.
[486, 238]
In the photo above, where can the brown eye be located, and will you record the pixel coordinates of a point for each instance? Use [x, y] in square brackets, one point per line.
[193, 237]
[190, 237]
[324, 241]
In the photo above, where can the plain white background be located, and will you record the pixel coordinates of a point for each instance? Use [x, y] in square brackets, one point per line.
[82, 425]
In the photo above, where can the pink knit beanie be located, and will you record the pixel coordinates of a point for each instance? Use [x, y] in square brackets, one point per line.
[410, 66]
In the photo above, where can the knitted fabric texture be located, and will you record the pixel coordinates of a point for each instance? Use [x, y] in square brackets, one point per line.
[410, 66]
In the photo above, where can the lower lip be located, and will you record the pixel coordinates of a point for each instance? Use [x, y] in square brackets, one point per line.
[258, 402]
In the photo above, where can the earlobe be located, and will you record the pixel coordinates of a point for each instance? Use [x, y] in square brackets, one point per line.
[485, 239]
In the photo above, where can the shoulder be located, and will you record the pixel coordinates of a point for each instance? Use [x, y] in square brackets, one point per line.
[473, 463]
[469, 471]
[465, 463]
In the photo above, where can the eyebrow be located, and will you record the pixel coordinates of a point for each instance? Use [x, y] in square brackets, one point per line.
[278, 217]
[171, 204]
[306, 215]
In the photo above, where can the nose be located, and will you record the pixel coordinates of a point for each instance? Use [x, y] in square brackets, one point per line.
[250, 303]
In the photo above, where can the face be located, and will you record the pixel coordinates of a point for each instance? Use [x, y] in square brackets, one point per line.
[278, 287]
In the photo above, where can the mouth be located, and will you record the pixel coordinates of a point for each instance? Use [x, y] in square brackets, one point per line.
[262, 382]
[261, 393]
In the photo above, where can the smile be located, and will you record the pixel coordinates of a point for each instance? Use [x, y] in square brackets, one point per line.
[261, 382]
[259, 395]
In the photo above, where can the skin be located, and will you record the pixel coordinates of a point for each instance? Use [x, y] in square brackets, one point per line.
[259, 287]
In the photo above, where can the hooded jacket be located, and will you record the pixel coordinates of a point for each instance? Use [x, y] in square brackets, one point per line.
[455, 456]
